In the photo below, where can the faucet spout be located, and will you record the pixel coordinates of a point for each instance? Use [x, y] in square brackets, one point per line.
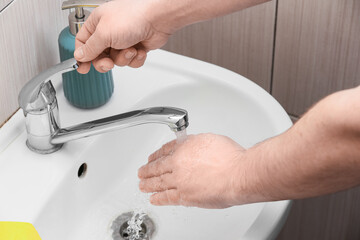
[44, 134]
[175, 118]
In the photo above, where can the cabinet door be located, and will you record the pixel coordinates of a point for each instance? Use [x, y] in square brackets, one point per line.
[241, 42]
[317, 51]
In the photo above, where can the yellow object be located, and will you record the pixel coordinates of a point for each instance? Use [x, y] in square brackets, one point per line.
[18, 231]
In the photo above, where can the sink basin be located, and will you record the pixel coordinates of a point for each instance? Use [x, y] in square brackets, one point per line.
[63, 199]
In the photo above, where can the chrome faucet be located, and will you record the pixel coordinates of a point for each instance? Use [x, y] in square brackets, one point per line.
[44, 134]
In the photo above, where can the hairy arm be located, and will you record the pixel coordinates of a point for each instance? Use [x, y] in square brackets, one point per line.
[320, 154]
[121, 32]
[172, 15]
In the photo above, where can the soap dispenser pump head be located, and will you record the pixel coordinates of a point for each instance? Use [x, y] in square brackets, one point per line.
[79, 16]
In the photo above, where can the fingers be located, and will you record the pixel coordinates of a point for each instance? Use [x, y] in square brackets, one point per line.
[131, 57]
[82, 37]
[92, 48]
[103, 63]
[94, 37]
[158, 184]
[123, 57]
[139, 60]
[88, 28]
[163, 151]
[155, 168]
[168, 197]
[91, 40]
[84, 67]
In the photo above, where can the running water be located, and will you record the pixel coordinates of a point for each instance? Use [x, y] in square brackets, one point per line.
[181, 136]
[134, 228]
[134, 224]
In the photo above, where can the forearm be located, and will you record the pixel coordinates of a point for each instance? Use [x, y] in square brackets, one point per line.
[171, 15]
[320, 154]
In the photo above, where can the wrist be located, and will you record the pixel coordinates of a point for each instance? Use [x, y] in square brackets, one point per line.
[250, 189]
[246, 185]
[256, 180]
[166, 16]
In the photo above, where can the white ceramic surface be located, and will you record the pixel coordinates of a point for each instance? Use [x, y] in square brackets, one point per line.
[46, 191]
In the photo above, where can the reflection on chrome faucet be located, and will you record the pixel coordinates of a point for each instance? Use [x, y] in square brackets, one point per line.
[44, 134]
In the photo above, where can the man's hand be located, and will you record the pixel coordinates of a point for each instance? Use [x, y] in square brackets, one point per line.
[202, 172]
[119, 33]
[320, 154]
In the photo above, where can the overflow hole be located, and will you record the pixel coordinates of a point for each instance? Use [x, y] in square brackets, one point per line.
[82, 170]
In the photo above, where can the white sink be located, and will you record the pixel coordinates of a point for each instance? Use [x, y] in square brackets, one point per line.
[46, 191]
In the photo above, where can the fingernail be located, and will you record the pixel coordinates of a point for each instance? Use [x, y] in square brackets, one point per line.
[129, 55]
[105, 68]
[140, 171]
[139, 57]
[79, 53]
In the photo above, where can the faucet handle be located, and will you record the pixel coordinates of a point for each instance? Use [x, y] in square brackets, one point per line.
[32, 91]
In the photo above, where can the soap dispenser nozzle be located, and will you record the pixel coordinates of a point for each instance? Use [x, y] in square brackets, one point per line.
[79, 16]
[79, 12]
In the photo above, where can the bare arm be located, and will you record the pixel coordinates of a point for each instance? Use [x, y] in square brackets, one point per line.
[320, 154]
[121, 32]
[182, 13]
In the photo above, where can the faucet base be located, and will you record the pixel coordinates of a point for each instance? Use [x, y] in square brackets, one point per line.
[54, 148]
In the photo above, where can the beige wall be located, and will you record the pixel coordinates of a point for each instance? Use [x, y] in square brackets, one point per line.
[317, 51]
[28, 41]
[241, 42]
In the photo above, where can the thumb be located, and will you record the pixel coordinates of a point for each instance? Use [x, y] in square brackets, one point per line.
[92, 48]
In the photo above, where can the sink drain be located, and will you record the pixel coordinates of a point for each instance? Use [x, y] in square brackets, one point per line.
[121, 232]
[124, 233]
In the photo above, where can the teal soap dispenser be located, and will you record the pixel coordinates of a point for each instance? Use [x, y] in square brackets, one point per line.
[89, 90]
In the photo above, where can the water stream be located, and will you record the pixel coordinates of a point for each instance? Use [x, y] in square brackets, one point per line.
[181, 136]
[134, 228]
